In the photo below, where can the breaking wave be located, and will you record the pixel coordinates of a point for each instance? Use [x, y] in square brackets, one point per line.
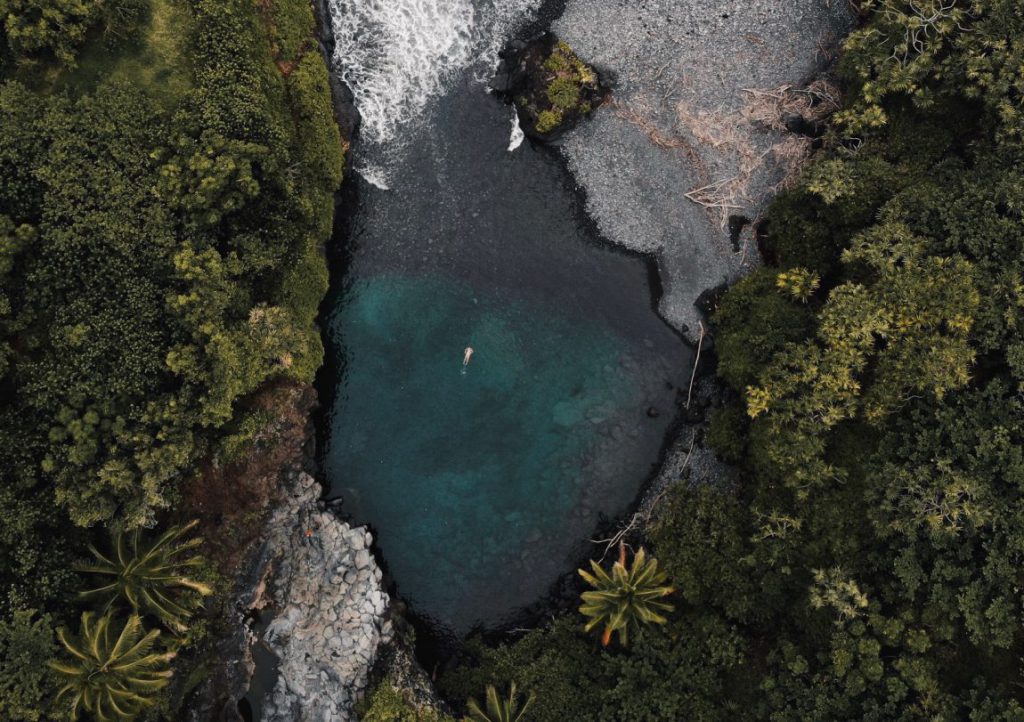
[396, 55]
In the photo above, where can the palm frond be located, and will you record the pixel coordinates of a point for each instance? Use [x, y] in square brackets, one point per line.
[151, 577]
[113, 672]
[627, 597]
[499, 709]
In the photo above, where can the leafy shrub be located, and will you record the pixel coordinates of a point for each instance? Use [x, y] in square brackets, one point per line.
[26, 683]
[548, 120]
[753, 322]
[564, 93]
[727, 432]
[386, 704]
[60, 27]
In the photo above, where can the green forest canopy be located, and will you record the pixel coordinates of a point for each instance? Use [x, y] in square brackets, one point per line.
[167, 170]
[869, 563]
[163, 199]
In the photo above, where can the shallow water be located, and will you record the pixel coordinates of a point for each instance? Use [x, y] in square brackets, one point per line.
[483, 486]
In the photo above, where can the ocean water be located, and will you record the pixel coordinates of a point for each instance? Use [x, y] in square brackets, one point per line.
[399, 55]
[469, 473]
[482, 487]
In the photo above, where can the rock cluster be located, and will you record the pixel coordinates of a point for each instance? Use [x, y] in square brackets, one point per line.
[327, 610]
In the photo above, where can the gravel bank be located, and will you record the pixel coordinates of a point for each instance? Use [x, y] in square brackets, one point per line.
[680, 121]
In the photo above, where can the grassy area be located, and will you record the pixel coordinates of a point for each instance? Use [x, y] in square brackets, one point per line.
[154, 58]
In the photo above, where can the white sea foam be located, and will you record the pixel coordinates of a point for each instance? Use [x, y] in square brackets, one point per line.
[517, 136]
[396, 55]
[374, 175]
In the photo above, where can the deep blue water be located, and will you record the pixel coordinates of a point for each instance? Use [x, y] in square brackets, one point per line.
[484, 486]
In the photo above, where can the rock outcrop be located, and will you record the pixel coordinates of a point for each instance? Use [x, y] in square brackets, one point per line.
[551, 88]
[326, 608]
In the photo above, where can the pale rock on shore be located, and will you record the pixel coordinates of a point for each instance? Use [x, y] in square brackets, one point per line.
[329, 610]
[681, 120]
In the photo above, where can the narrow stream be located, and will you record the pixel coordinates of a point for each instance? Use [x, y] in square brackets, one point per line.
[482, 482]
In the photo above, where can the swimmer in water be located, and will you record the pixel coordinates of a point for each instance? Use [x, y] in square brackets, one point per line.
[466, 356]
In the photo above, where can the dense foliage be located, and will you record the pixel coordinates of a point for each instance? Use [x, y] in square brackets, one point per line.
[36, 28]
[867, 566]
[112, 671]
[164, 197]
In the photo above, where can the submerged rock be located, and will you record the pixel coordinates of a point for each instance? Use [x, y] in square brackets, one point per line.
[551, 88]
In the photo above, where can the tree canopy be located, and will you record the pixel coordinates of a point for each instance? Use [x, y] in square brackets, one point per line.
[867, 563]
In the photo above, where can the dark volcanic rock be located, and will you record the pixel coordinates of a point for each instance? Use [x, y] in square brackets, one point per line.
[550, 86]
[345, 112]
[796, 123]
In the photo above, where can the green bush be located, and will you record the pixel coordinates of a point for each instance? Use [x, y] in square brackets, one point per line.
[26, 684]
[386, 704]
[564, 93]
[548, 120]
[36, 27]
[59, 26]
[752, 323]
[702, 534]
[727, 433]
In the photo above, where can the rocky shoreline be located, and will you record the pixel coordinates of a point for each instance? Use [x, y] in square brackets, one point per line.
[309, 615]
[695, 134]
[324, 607]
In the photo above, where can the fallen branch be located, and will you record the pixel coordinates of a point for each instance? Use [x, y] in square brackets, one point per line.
[641, 516]
[696, 361]
[721, 195]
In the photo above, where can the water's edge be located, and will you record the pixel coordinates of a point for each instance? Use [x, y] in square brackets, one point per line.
[434, 648]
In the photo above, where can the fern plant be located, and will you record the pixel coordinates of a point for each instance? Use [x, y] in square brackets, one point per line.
[113, 674]
[500, 709]
[151, 578]
[628, 597]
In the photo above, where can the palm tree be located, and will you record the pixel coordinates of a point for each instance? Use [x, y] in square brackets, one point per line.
[114, 674]
[152, 579]
[499, 710]
[626, 597]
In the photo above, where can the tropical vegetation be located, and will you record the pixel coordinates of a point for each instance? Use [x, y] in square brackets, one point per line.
[561, 90]
[628, 597]
[113, 672]
[166, 179]
[151, 578]
[167, 170]
[865, 564]
[500, 708]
